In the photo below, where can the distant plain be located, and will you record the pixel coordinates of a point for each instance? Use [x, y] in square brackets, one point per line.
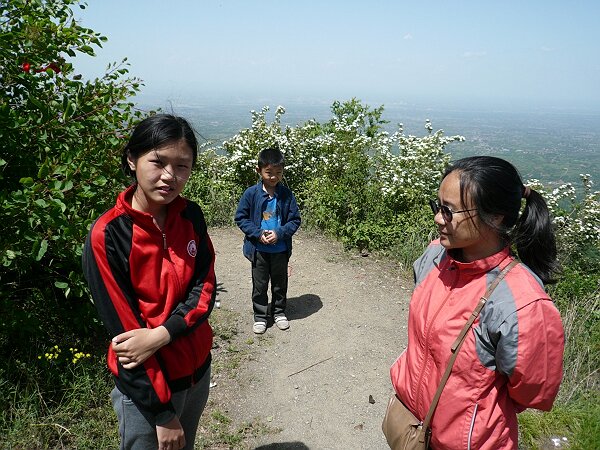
[552, 146]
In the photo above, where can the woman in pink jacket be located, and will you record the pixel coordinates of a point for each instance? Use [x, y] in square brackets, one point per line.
[512, 357]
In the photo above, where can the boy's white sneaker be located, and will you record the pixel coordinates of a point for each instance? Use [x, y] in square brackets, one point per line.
[282, 322]
[259, 327]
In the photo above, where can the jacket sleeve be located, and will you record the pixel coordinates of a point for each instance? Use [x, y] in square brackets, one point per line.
[105, 264]
[243, 216]
[536, 374]
[291, 221]
[201, 291]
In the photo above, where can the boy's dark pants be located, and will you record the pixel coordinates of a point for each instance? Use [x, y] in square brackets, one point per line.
[267, 266]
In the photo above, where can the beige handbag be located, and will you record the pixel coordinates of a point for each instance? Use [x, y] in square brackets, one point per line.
[401, 428]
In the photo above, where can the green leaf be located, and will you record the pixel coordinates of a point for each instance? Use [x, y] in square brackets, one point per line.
[43, 248]
[62, 206]
[67, 186]
[26, 181]
[36, 102]
[61, 284]
[100, 181]
[69, 108]
[44, 170]
[87, 49]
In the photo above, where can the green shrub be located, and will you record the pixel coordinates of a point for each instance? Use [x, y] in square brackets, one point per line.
[60, 142]
[217, 195]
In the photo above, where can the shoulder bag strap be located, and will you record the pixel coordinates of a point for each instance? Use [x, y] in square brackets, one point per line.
[461, 337]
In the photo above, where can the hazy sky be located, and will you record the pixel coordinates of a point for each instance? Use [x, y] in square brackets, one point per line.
[538, 54]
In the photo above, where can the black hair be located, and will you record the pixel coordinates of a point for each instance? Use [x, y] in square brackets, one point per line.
[154, 132]
[496, 189]
[271, 156]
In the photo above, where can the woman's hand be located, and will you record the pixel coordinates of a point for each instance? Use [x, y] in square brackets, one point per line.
[136, 346]
[170, 435]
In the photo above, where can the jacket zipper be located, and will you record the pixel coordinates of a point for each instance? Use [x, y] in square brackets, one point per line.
[472, 426]
[168, 258]
[422, 371]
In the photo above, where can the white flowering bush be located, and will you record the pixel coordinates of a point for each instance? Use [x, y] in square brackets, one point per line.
[577, 221]
[352, 178]
[418, 163]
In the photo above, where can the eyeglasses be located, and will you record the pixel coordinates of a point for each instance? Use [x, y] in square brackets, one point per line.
[446, 211]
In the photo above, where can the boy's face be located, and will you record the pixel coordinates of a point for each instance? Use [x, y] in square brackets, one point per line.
[270, 175]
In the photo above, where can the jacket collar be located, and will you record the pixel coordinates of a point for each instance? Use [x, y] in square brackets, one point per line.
[263, 192]
[479, 265]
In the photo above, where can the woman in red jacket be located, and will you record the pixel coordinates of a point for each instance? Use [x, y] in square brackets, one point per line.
[149, 263]
[512, 357]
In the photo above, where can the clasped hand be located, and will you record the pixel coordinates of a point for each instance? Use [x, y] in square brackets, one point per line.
[268, 237]
[136, 346]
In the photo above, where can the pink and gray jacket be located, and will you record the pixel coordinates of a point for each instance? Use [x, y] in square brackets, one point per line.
[510, 360]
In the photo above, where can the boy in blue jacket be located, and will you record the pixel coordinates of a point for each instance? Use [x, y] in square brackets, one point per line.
[268, 216]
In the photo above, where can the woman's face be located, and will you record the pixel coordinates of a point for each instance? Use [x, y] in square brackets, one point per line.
[466, 232]
[161, 175]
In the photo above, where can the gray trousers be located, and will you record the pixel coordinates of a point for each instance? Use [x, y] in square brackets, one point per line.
[135, 431]
[273, 266]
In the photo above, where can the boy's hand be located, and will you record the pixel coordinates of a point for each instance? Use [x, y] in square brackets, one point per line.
[263, 237]
[270, 237]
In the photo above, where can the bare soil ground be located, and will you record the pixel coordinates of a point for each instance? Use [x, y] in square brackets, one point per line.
[324, 383]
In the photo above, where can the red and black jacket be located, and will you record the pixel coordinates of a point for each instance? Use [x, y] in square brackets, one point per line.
[140, 276]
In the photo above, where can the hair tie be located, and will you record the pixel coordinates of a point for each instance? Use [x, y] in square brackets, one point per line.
[526, 191]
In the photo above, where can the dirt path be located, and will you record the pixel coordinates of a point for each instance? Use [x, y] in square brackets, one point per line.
[314, 381]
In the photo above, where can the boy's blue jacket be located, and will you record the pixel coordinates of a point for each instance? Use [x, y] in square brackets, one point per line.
[249, 216]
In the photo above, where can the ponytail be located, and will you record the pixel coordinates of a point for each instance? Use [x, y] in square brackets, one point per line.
[533, 237]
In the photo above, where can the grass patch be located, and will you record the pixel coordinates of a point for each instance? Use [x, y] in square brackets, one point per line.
[228, 352]
[575, 425]
[76, 415]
